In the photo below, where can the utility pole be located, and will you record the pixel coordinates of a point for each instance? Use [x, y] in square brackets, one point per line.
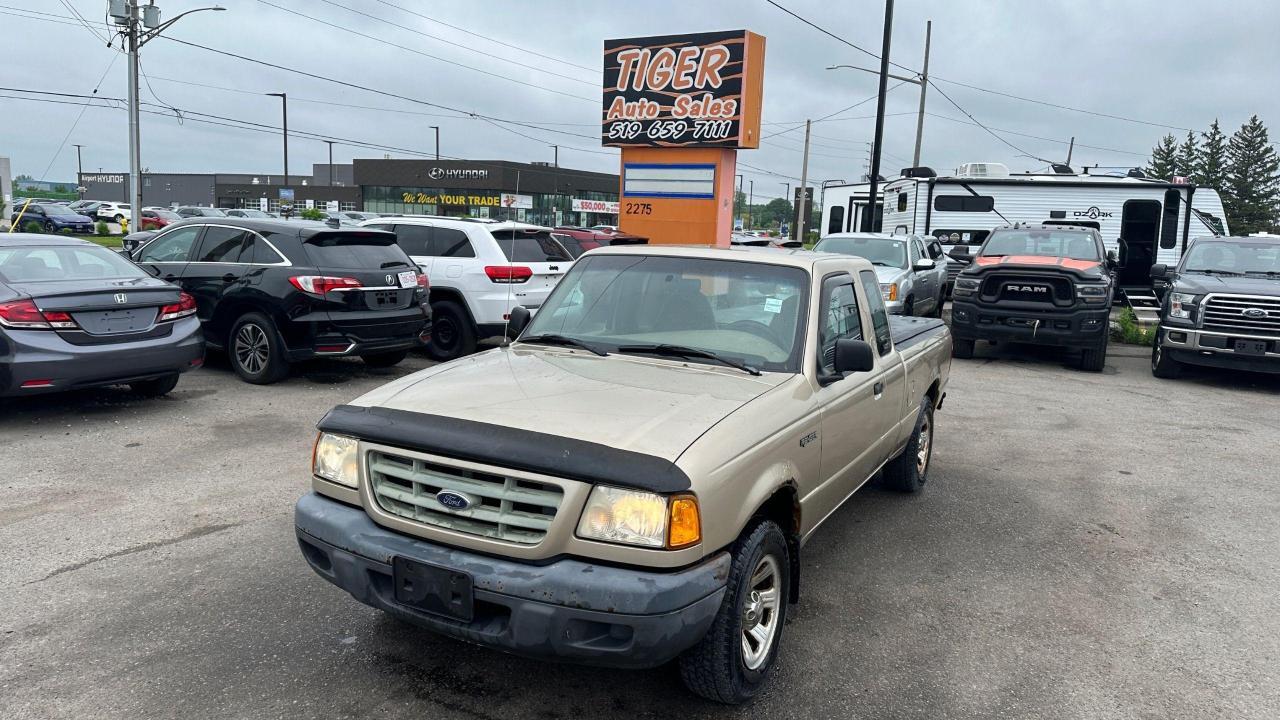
[139, 25]
[557, 149]
[751, 198]
[790, 201]
[80, 171]
[873, 195]
[803, 214]
[736, 209]
[924, 86]
[330, 144]
[437, 129]
[284, 108]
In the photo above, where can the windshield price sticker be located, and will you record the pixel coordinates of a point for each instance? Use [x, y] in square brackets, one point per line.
[698, 90]
[772, 305]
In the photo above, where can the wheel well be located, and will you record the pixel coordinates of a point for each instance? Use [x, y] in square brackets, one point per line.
[933, 393]
[442, 294]
[783, 508]
[227, 313]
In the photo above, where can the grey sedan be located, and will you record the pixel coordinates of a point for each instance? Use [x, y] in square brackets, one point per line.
[911, 282]
[74, 315]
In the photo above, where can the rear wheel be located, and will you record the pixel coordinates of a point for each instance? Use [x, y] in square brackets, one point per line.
[155, 387]
[257, 354]
[910, 470]
[961, 348]
[384, 360]
[1095, 358]
[1163, 366]
[452, 335]
[942, 300]
[119, 219]
[731, 663]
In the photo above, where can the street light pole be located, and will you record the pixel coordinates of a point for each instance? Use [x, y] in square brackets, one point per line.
[330, 144]
[884, 81]
[557, 149]
[437, 129]
[80, 171]
[790, 201]
[802, 213]
[139, 25]
[750, 200]
[924, 87]
[284, 108]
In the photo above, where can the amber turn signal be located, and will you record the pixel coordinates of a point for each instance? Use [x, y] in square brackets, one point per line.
[684, 527]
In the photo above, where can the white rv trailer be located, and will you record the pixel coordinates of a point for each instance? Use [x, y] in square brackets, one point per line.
[1156, 219]
[844, 208]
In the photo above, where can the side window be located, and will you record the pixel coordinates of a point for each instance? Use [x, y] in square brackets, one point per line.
[1169, 221]
[902, 202]
[415, 239]
[935, 249]
[452, 243]
[840, 318]
[914, 246]
[879, 318]
[172, 246]
[220, 245]
[835, 223]
[964, 203]
[257, 251]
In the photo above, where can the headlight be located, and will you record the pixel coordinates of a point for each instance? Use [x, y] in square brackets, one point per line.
[634, 517]
[1092, 293]
[889, 291]
[965, 286]
[334, 459]
[1181, 305]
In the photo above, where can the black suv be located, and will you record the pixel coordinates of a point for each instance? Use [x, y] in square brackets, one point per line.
[1222, 307]
[1044, 285]
[271, 292]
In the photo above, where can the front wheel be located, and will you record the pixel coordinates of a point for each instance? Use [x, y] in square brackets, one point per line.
[731, 663]
[119, 219]
[1163, 366]
[1095, 358]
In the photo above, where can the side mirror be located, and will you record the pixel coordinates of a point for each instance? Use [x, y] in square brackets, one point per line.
[961, 253]
[1159, 272]
[854, 356]
[924, 264]
[517, 321]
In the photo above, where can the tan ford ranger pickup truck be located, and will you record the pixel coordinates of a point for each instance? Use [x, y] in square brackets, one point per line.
[631, 480]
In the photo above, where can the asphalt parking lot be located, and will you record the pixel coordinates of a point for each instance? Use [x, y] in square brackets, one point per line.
[1088, 546]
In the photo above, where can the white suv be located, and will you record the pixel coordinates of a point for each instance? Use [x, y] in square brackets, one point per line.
[115, 212]
[479, 270]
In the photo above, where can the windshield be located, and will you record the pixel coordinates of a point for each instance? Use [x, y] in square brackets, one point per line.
[59, 211]
[745, 311]
[64, 262]
[879, 251]
[1043, 243]
[1237, 256]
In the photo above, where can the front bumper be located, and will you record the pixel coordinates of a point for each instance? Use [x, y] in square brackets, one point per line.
[1070, 328]
[569, 609]
[1217, 349]
[30, 355]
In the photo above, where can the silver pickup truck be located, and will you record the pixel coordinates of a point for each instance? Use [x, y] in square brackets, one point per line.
[632, 479]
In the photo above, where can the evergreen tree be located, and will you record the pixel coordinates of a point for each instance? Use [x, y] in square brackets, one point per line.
[1212, 171]
[1253, 179]
[1163, 158]
[1187, 163]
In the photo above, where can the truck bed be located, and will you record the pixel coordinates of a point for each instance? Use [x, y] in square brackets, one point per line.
[908, 331]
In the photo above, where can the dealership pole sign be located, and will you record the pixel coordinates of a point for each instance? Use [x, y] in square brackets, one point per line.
[701, 90]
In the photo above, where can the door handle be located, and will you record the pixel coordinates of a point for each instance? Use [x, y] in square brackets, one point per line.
[878, 388]
[228, 278]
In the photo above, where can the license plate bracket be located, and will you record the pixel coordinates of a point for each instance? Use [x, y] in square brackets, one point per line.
[1251, 347]
[437, 590]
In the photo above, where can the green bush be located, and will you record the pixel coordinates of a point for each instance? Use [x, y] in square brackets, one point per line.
[1128, 330]
[32, 226]
[67, 231]
[312, 214]
[102, 229]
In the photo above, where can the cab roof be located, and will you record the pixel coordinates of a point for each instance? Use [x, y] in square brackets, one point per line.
[805, 259]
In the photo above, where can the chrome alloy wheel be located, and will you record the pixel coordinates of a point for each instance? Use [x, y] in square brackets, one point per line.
[251, 348]
[760, 613]
[924, 447]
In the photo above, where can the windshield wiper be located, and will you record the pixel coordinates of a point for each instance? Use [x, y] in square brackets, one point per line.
[1268, 273]
[1208, 271]
[684, 351]
[883, 264]
[553, 339]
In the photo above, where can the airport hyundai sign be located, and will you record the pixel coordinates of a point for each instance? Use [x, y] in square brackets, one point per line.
[697, 90]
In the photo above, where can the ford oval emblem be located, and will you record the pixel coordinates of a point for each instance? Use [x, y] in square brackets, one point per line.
[453, 500]
[1254, 312]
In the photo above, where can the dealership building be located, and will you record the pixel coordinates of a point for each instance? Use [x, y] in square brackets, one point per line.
[538, 193]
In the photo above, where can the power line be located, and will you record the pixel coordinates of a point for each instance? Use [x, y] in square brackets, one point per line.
[424, 54]
[984, 127]
[1037, 137]
[831, 116]
[490, 39]
[65, 138]
[520, 63]
[85, 23]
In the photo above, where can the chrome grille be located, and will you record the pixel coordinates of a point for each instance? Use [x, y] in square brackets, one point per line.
[1226, 313]
[512, 509]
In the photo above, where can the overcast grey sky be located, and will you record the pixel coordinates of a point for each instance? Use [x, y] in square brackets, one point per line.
[1170, 62]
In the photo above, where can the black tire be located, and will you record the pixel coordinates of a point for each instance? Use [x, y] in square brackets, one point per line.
[961, 348]
[717, 668]
[909, 471]
[256, 351]
[452, 334]
[909, 307]
[155, 387]
[48, 227]
[119, 219]
[1163, 366]
[1095, 358]
[942, 300]
[385, 360]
